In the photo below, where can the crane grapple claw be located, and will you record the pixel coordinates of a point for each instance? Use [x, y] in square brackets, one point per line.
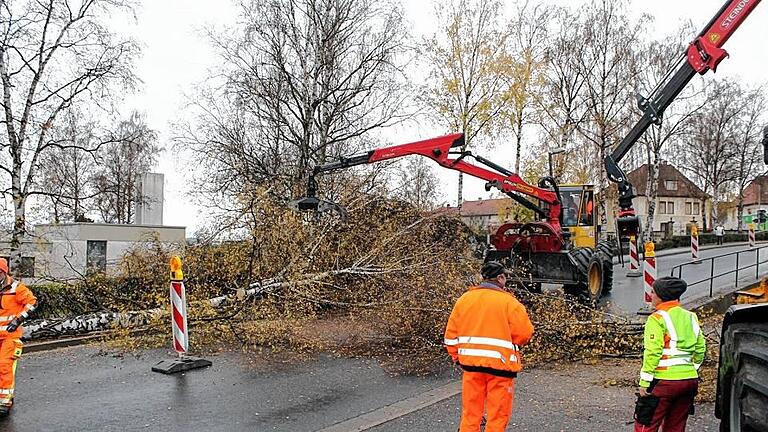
[314, 205]
[628, 225]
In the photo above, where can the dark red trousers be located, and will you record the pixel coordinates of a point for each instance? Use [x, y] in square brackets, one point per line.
[675, 401]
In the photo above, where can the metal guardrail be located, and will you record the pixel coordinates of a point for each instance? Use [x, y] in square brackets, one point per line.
[712, 276]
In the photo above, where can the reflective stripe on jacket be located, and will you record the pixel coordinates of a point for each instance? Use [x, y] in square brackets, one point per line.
[673, 344]
[16, 300]
[485, 330]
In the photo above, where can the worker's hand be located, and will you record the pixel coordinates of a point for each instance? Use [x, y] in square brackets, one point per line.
[642, 391]
[13, 325]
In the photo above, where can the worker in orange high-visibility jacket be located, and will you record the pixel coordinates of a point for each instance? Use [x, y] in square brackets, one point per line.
[485, 331]
[16, 303]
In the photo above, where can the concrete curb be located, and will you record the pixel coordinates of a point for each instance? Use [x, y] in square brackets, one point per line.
[53, 344]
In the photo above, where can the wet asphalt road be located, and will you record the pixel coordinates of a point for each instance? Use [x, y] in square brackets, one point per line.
[627, 293]
[79, 389]
[82, 389]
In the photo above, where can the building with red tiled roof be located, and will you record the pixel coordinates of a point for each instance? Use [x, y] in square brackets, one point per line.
[755, 198]
[481, 214]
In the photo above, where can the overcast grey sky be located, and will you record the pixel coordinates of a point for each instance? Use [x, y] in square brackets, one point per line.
[177, 56]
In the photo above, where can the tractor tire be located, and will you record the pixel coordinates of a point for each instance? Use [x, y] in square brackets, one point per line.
[745, 389]
[607, 275]
[580, 258]
[595, 278]
[607, 250]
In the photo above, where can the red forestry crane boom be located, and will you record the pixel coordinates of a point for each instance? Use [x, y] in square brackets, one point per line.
[703, 54]
[439, 150]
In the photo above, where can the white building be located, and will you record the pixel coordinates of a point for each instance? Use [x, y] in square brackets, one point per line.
[71, 250]
[679, 201]
[68, 251]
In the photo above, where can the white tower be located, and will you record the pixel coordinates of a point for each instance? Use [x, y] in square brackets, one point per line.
[149, 205]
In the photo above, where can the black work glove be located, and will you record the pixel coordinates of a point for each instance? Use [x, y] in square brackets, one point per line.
[13, 325]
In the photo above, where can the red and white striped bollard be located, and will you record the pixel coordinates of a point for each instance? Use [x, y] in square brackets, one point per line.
[179, 327]
[178, 309]
[634, 260]
[751, 235]
[649, 277]
[695, 245]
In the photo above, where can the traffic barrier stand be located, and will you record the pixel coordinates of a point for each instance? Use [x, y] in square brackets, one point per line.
[649, 277]
[695, 245]
[179, 325]
[751, 235]
[634, 261]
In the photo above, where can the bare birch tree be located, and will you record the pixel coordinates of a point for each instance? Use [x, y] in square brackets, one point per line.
[656, 60]
[417, 183]
[749, 161]
[712, 141]
[132, 153]
[67, 173]
[524, 68]
[301, 82]
[562, 103]
[607, 59]
[53, 54]
[466, 81]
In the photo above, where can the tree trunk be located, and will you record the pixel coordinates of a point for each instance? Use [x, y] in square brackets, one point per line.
[19, 213]
[653, 192]
[740, 212]
[461, 188]
[518, 144]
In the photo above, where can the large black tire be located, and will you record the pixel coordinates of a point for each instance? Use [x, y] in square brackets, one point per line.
[745, 387]
[595, 278]
[607, 248]
[580, 258]
[608, 251]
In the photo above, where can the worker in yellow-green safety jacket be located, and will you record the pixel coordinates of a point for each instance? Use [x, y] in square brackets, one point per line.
[673, 350]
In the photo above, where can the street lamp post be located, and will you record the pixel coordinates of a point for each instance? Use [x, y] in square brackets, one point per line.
[550, 154]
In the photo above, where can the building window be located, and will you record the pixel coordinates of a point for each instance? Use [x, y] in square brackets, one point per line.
[696, 208]
[96, 256]
[670, 185]
[689, 208]
[26, 269]
[666, 207]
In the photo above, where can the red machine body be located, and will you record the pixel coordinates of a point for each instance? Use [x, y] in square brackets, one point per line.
[540, 236]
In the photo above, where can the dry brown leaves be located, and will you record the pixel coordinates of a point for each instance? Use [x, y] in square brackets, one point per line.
[381, 284]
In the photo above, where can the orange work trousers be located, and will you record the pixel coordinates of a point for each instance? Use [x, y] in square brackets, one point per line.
[481, 390]
[10, 351]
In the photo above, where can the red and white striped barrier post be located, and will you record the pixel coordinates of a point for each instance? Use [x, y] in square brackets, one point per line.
[178, 308]
[751, 235]
[179, 327]
[695, 245]
[649, 277]
[634, 261]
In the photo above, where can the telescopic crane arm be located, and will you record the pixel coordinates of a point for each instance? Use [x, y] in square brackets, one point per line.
[703, 54]
[439, 150]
